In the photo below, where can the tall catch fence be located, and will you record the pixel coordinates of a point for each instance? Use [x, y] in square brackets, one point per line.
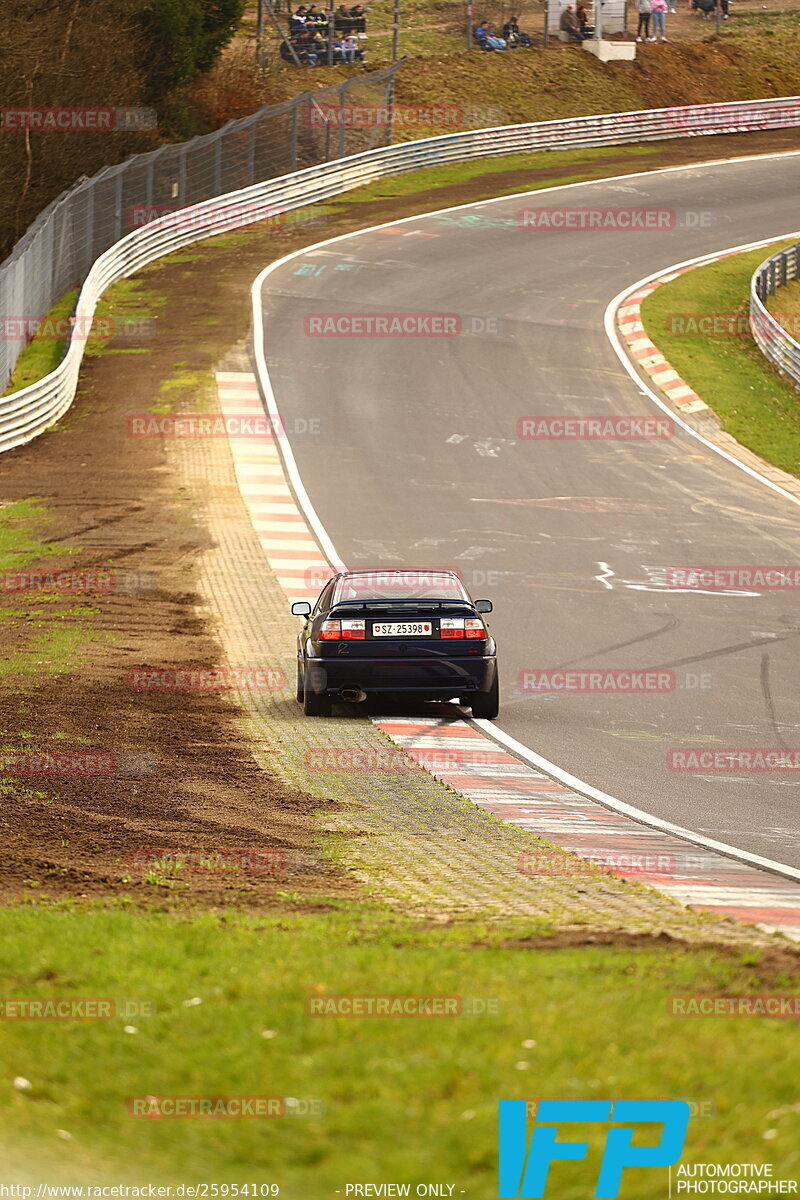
[30, 411]
[55, 254]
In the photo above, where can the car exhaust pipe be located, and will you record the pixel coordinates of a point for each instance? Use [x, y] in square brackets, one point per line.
[353, 694]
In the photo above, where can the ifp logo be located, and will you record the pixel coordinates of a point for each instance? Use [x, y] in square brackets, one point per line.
[524, 1167]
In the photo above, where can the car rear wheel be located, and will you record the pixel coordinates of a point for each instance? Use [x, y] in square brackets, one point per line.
[316, 704]
[486, 705]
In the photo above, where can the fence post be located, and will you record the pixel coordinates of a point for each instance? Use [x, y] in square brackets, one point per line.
[251, 154]
[118, 207]
[295, 107]
[89, 256]
[326, 154]
[390, 106]
[149, 184]
[218, 166]
[342, 127]
[182, 179]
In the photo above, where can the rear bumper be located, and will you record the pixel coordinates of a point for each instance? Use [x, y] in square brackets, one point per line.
[434, 678]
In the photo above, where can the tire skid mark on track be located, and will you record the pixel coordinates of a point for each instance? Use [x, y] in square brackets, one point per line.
[473, 764]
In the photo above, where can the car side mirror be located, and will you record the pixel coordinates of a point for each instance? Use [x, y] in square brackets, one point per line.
[301, 608]
[483, 606]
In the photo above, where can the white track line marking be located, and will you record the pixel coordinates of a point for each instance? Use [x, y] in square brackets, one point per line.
[330, 552]
[609, 321]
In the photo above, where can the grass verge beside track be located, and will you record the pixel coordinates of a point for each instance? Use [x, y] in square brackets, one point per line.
[405, 1099]
[726, 368]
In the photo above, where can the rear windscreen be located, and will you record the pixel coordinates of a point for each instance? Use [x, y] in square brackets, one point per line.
[400, 585]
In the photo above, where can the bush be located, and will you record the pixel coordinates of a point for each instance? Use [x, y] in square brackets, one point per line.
[183, 39]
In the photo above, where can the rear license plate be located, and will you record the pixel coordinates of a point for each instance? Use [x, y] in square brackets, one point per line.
[402, 629]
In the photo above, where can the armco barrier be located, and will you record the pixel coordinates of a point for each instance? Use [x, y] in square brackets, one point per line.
[54, 255]
[27, 413]
[772, 339]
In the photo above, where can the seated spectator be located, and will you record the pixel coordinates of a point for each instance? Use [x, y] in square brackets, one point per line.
[487, 39]
[586, 30]
[320, 19]
[342, 21]
[569, 24]
[338, 50]
[297, 46]
[316, 50]
[297, 19]
[358, 16]
[514, 35]
[350, 48]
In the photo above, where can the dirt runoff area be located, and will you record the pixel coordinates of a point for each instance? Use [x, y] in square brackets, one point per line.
[116, 788]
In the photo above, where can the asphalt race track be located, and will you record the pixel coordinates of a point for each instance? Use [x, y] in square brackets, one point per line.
[418, 462]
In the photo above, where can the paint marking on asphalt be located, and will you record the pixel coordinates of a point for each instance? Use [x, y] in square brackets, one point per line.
[627, 345]
[722, 850]
[497, 778]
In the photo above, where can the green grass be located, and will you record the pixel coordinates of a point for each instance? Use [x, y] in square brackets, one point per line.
[43, 638]
[43, 353]
[728, 371]
[457, 173]
[124, 306]
[52, 652]
[405, 1099]
[183, 386]
[785, 307]
[20, 535]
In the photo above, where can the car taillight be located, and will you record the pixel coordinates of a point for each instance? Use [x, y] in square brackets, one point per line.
[459, 627]
[354, 631]
[330, 631]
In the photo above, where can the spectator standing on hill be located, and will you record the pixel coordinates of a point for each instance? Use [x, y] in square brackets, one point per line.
[659, 20]
[645, 9]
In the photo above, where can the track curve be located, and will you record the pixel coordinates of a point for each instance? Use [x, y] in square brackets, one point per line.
[420, 462]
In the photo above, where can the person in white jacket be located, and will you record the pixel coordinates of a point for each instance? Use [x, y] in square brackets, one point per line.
[659, 20]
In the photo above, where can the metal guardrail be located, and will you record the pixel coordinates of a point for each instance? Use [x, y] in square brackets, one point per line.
[772, 339]
[29, 412]
[54, 255]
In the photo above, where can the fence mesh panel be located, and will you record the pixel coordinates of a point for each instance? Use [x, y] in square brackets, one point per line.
[56, 252]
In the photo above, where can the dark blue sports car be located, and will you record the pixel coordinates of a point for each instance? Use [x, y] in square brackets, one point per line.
[396, 633]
